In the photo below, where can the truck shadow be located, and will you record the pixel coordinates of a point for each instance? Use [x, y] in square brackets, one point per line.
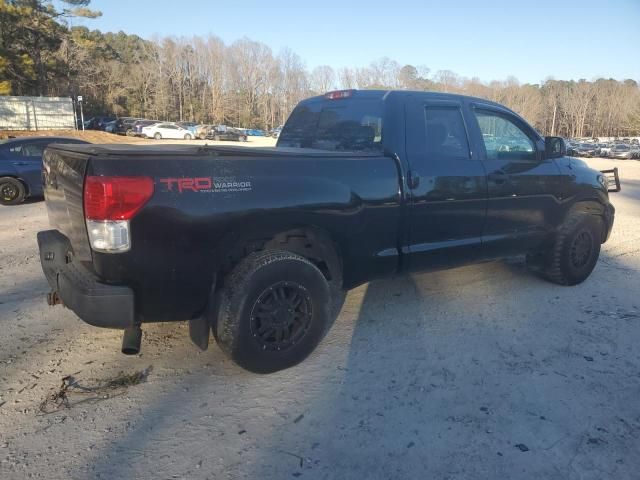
[447, 374]
[452, 374]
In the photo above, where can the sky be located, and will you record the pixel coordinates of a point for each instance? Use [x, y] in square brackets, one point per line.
[491, 40]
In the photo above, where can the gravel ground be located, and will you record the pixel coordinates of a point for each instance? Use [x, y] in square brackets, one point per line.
[479, 372]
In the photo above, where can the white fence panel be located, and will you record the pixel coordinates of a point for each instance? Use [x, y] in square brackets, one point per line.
[36, 113]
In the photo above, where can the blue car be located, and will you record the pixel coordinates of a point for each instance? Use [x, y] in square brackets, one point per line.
[21, 166]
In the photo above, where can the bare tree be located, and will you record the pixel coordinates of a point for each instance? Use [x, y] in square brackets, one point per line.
[322, 79]
[204, 80]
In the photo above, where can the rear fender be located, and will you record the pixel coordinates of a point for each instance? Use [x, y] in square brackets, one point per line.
[309, 241]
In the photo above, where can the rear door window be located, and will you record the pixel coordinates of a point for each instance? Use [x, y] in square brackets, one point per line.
[446, 133]
[336, 125]
[27, 150]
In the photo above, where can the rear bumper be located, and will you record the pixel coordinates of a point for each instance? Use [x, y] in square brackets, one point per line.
[79, 289]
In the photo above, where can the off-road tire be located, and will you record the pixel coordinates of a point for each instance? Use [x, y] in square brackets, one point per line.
[242, 296]
[12, 191]
[575, 251]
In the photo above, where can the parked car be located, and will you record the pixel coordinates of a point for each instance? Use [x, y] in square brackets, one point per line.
[604, 149]
[97, 123]
[140, 124]
[259, 245]
[191, 126]
[585, 150]
[254, 132]
[275, 133]
[222, 132]
[166, 130]
[21, 166]
[202, 131]
[621, 152]
[110, 127]
[124, 125]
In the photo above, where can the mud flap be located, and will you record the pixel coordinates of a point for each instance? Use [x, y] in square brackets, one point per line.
[200, 327]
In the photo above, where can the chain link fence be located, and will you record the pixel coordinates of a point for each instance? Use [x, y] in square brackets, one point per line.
[37, 113]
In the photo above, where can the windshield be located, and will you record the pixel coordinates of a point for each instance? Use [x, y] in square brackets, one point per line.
[337, 125]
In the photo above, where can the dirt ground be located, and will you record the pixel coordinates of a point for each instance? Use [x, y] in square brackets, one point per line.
[483, 372]
[95, 136]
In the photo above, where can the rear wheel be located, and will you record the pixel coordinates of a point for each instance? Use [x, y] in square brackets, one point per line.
[188, 136]
[157, 136]
[273, 311]
[12, 191]
[575, 251]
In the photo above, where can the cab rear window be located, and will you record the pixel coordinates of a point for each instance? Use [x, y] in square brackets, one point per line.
[336, 125]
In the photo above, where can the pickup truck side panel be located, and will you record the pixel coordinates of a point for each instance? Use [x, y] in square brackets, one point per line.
[448, 186]
[524, 189]
[181, 237]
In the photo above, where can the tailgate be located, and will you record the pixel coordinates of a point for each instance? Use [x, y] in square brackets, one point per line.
[63, 177]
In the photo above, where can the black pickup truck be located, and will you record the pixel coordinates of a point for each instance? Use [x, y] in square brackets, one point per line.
[258, 245]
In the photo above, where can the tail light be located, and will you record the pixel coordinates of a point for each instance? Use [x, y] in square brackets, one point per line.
[338, 94]
[109, 204]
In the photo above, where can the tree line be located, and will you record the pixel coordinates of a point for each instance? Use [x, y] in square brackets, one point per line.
[245, 83]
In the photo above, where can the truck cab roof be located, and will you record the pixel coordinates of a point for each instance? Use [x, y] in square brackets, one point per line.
[400, 94]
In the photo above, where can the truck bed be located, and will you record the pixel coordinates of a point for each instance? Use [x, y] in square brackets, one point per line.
[181, 237]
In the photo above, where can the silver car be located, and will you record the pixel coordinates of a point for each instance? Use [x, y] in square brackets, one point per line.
[621, 151]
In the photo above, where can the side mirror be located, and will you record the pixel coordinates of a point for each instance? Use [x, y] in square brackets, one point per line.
[554, 147]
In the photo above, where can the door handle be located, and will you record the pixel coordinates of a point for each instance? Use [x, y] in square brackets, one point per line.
[498, 177]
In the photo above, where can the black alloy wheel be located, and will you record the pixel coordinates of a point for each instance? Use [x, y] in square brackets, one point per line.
[281, 315]
[581, 249]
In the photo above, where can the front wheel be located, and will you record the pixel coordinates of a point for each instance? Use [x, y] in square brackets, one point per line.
[12, 191]
[575, 251]
[187, 136]
[273, 311]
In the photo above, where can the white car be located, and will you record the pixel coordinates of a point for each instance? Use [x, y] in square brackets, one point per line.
[167, 130]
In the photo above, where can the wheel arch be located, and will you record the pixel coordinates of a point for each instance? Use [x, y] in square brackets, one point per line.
[309, 241]
[590, 206]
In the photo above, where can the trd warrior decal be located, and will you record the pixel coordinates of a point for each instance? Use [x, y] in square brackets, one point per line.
[205, 184]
